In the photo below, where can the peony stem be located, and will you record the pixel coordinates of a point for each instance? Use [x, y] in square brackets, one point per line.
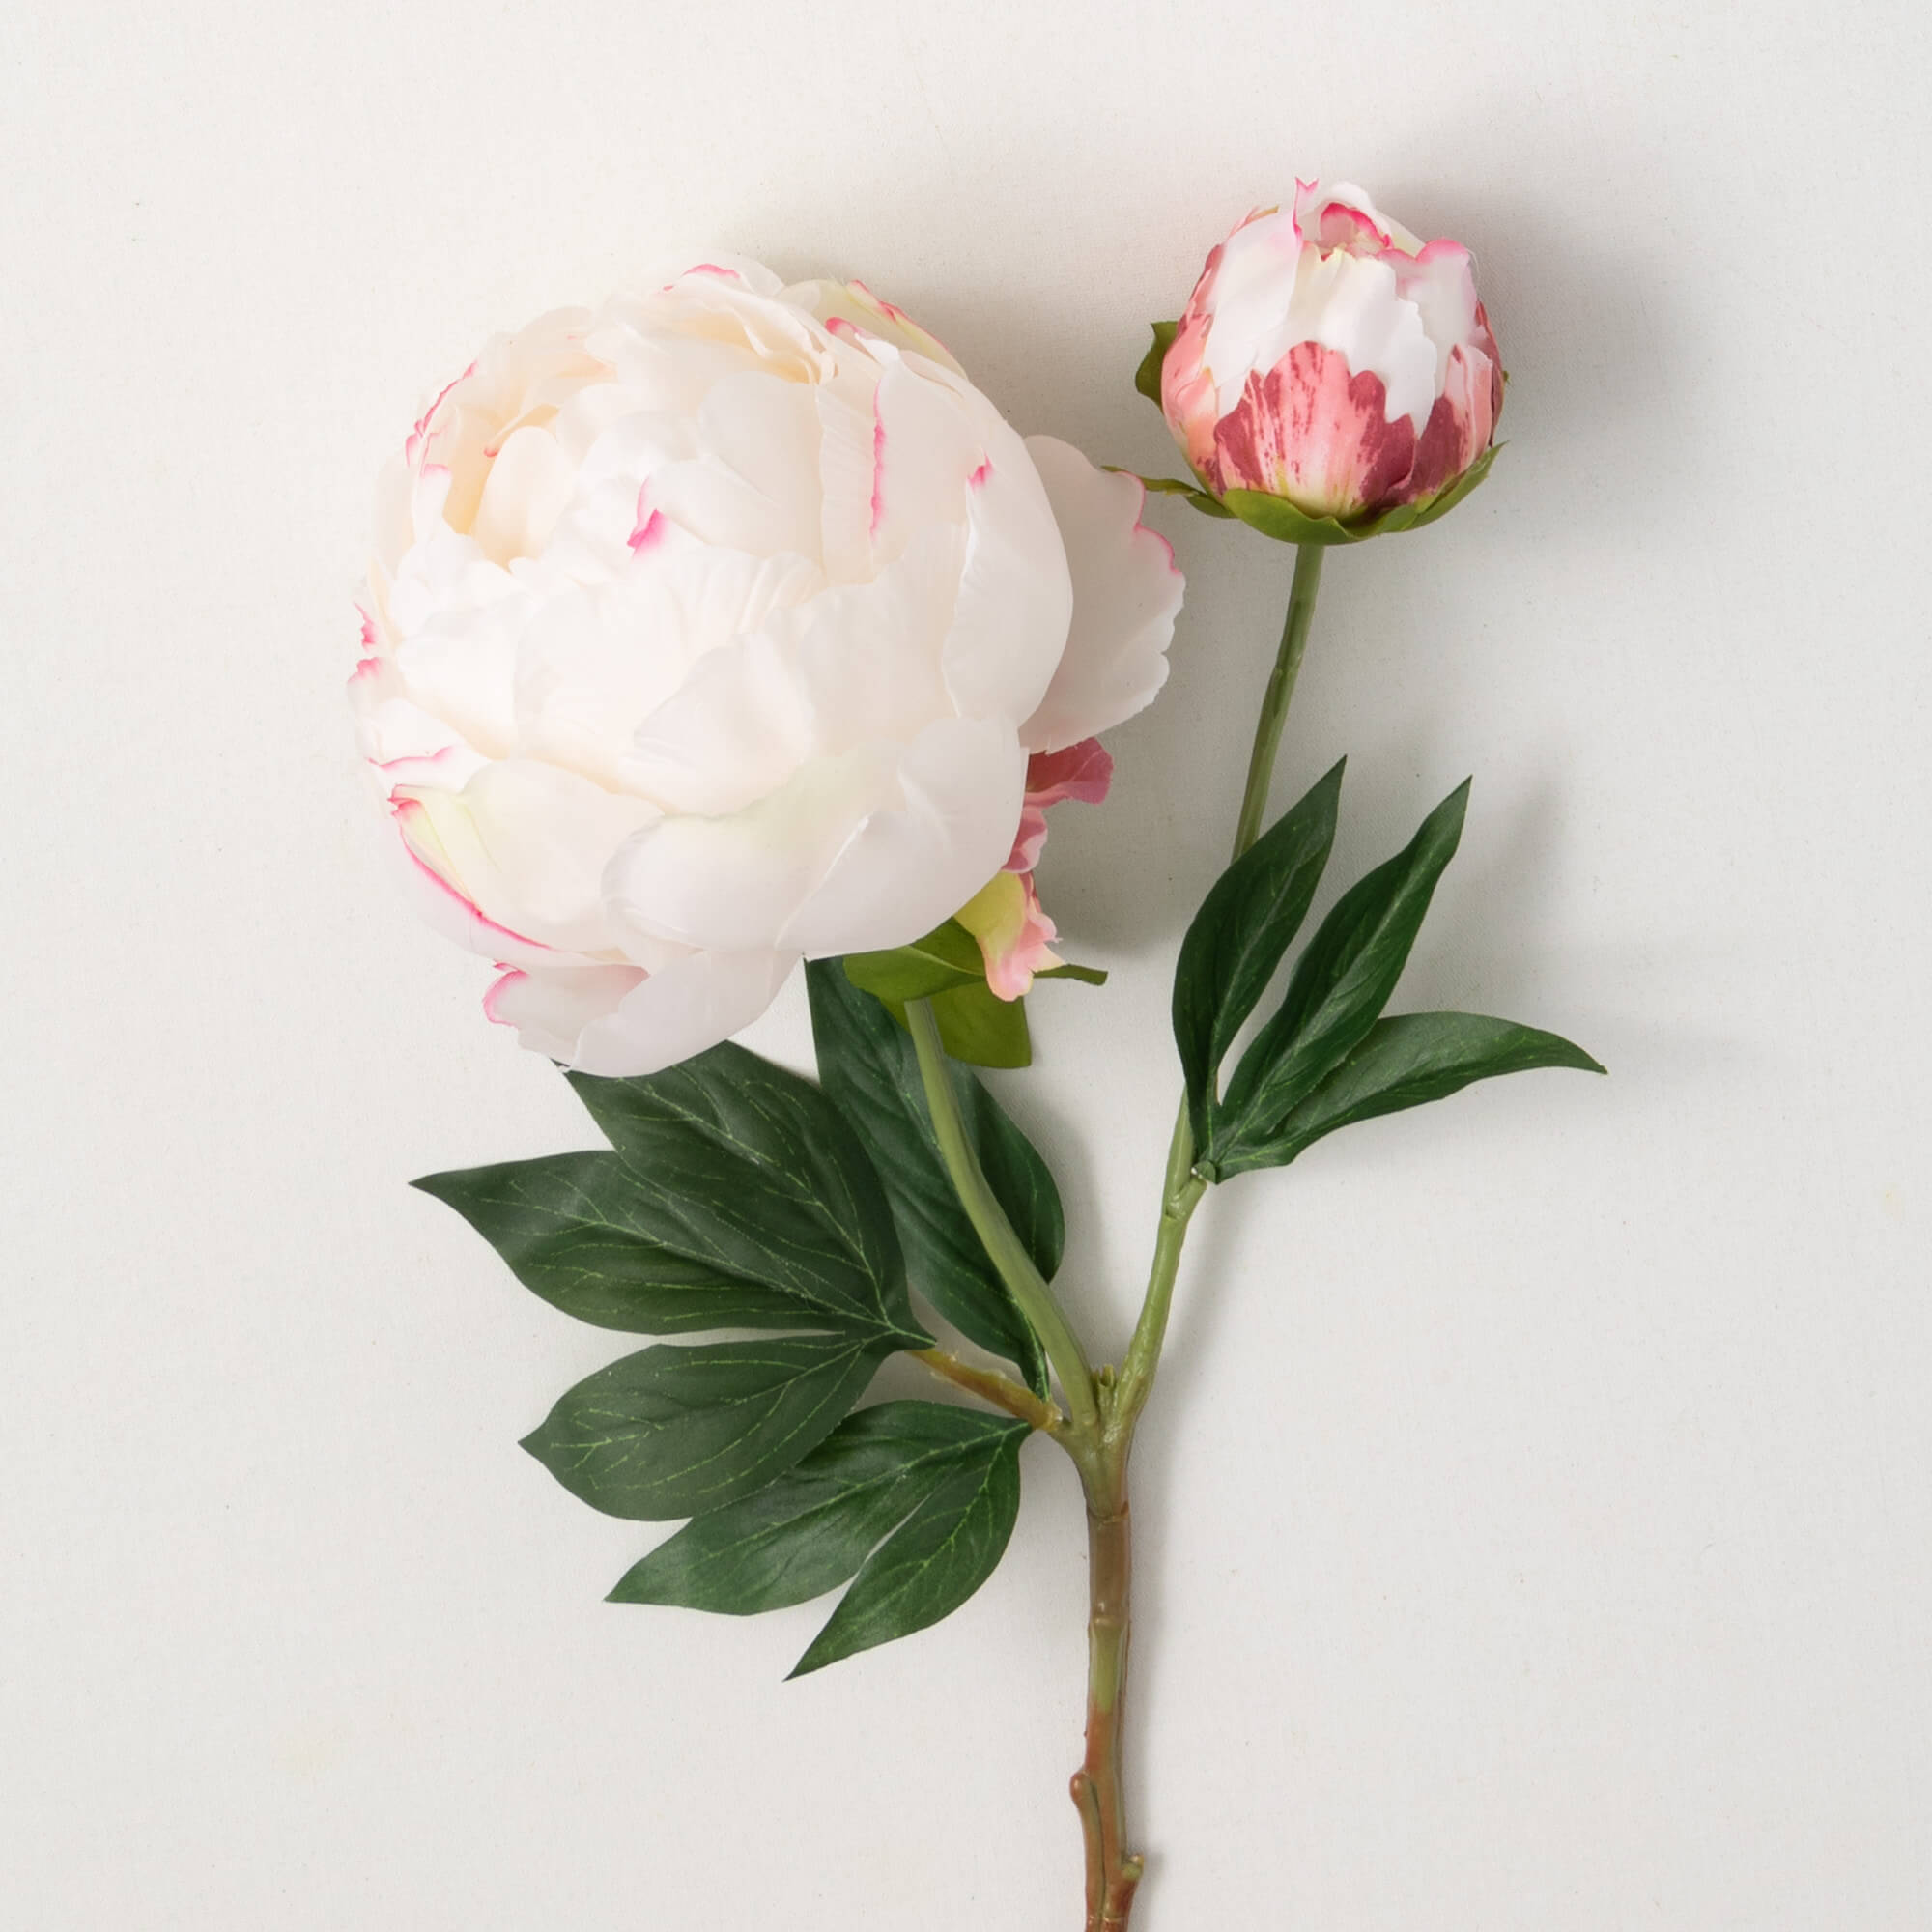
[1007, 1251]
[1113, 1872]
[1280, 689]
[1001, 1391]
[1182, 1188]
[1105, 1409]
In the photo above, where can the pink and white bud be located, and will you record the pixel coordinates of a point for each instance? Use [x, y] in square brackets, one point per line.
[1330, 358]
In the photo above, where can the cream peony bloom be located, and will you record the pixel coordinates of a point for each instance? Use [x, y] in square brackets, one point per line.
[716, 630]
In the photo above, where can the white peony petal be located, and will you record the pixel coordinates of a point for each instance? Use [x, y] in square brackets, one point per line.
[1271, 293]
[550, 1006]
[1015, 598]
[595, 663]
[929, 439]
[735, 882]
[754, 485]
[681, 1010]
[857, 664]
[527, 842]
[919, 857]
[857, 308]
[530, 483]
[1127, 593]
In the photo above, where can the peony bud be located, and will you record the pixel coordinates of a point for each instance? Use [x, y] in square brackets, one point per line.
[717, 629]
[1333, 375]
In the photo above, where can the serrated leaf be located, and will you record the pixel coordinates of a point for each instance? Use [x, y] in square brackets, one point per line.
[580, 1231]
[943, 1551]
[1407, 1062]
[1339, 985]
[1238, 937]
[869, 1068]
[1146, 378]
[813, 1527]
[752, 1171]
[674, 1432]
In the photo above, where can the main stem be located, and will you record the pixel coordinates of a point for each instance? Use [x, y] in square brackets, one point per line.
[1103, 1409]
[1113, 1872]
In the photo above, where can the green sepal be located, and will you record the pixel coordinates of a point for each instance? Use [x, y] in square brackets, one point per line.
[946, 967]
[947, 957]
[870, 1069]
[1172, 486]
[1275, 517]
[819, 1525]
[674, 1432]
[1339, 987]
[1146, 378]
[1404, 1062]
[1086, 976]
[1239, 935]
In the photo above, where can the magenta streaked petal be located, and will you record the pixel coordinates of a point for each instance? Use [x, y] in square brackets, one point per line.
[1312, 433]
[1084, 771]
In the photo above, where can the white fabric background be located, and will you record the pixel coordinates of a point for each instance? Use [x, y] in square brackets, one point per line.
[1535, 1512]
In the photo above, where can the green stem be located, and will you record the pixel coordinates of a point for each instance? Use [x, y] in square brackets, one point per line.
[1280, 689]
[1025, 1282]
[1182, 1188]
[989, 1385]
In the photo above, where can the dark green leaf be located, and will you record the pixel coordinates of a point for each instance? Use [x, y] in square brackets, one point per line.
[1146, 378]
[582, 1232]
[677, 1431]
[813, 1528]
[943, 1552]
[1407, 1062]
[869, 1068]
[1239, 935]
[752, 1171]
[1340, 985]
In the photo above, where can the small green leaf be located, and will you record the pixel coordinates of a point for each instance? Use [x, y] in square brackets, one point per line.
[1088, 975]
[752, 1169]
[579, 1229]
[1406, 1061]
[1171, 486]
[943, 1552]
[1146, 378]
[676, 1431]
[1340, 985]
[813, 1527]
[947, 957]
[1239, 935]
[869, 1068]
